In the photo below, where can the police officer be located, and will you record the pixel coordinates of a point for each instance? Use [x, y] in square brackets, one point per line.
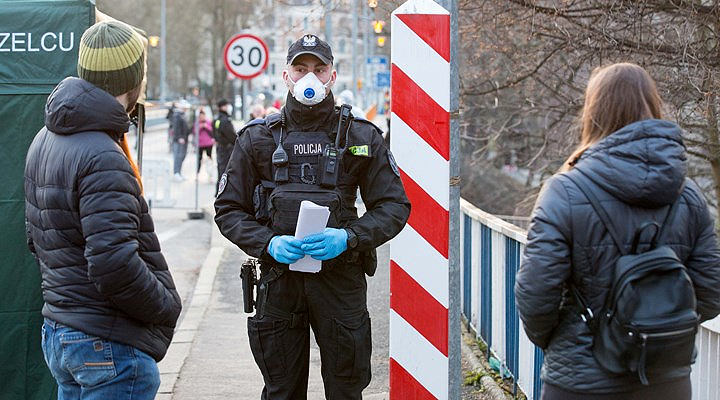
[224, 135]
[313, 151]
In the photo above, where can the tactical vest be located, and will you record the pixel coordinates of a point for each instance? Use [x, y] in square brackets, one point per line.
[306, 166]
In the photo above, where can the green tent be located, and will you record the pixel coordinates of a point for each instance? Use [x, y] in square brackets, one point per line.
[38, 48]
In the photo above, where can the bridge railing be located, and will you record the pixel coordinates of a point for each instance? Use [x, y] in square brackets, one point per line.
[490, 257]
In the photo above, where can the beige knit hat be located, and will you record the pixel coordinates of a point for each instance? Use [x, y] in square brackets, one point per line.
[112, 57]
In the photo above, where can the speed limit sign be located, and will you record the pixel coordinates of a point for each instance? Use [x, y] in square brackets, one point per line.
[246, 56]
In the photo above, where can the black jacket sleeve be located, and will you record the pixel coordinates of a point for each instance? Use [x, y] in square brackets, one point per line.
[704, 262]
[234, 209]
[546, 264]
[110, 213]
[382, 191]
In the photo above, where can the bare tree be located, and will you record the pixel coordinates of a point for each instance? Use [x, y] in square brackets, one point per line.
[525, 65]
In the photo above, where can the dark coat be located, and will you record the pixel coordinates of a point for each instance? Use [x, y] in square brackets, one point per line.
[223, 130]
[89, 228]
[638, 170]
[379, 181]
[181, 129]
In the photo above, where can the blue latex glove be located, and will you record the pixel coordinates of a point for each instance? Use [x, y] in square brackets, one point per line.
[285, 249]
[326, 245]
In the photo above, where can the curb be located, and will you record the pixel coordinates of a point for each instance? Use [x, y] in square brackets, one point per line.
[195, 309]
[492, 390]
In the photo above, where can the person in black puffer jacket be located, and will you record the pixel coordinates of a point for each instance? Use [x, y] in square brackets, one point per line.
[638, 164]
[110, 302]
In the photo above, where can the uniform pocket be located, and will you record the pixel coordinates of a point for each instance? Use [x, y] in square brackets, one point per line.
[88, 358]
[266, 343]
[354, 347]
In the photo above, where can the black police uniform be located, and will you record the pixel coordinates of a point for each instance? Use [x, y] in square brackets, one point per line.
[334, 301]
[224, 135]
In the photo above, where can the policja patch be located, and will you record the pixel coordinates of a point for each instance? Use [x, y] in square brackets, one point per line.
[393, 164]
[222, 184]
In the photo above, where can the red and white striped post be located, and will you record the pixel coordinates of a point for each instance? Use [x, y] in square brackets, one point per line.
[422, 327]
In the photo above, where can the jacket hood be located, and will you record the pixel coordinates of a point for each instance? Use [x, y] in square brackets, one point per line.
[76, 105]
[643, 164]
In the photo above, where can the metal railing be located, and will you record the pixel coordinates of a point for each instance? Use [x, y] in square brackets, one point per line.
[490, 256]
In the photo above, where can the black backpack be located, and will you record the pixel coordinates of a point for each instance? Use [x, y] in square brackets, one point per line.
[648, 322]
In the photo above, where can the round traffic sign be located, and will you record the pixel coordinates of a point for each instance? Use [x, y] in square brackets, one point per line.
[246, 56]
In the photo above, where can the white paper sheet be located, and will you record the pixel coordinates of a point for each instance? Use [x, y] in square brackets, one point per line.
[312, 218]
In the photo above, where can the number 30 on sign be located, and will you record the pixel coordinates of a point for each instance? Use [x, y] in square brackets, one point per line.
[246, 56]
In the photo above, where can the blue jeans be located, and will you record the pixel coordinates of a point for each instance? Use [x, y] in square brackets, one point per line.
[87, 367]
[179, 153]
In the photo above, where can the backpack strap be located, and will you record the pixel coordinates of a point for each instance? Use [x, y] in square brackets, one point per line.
[601, 212]
[660, 238]
[585, 311]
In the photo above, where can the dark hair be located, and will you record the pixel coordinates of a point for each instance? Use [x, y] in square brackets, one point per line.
[616, 95]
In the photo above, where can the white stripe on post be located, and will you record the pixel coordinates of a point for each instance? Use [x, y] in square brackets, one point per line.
[418, 356]
[432, 173]
[424, 264]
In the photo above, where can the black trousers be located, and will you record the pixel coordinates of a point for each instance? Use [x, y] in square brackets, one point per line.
[674, 390]
[333, 303]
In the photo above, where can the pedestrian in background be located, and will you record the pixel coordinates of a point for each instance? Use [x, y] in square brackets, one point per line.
[110, 302]
[203, 130]
[257, 111]
[181, 132]
[276, 164]
[224, 134]
[636, 164]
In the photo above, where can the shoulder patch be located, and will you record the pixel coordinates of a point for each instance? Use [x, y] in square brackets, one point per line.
[222, 185]
[393, 164]
[362, 151]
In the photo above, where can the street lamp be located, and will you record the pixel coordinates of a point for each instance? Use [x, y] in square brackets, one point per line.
[372, 3]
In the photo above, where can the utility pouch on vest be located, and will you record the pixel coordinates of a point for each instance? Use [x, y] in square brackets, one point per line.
[260, 201]
[284, 205]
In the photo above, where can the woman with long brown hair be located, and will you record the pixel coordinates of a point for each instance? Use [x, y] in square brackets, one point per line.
[635, 165]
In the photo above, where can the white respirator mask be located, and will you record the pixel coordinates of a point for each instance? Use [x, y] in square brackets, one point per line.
[309, 90]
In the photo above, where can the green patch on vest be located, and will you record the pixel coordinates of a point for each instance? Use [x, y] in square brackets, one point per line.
[363, 150]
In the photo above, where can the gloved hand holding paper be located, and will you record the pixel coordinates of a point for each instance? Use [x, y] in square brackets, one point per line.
[312, 218]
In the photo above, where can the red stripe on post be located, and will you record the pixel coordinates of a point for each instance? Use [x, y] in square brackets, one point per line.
[419, 308]
[433, 29]
[427, 216]
[420, 112]
[404, 386]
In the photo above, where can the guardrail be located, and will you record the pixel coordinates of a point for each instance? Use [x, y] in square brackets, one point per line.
[490, 256]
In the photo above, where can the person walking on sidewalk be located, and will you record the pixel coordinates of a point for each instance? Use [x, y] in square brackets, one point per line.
[311, 151]
[635, 164]
[203, 130]
[110, 302]
[181, 132]
[224, 134]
